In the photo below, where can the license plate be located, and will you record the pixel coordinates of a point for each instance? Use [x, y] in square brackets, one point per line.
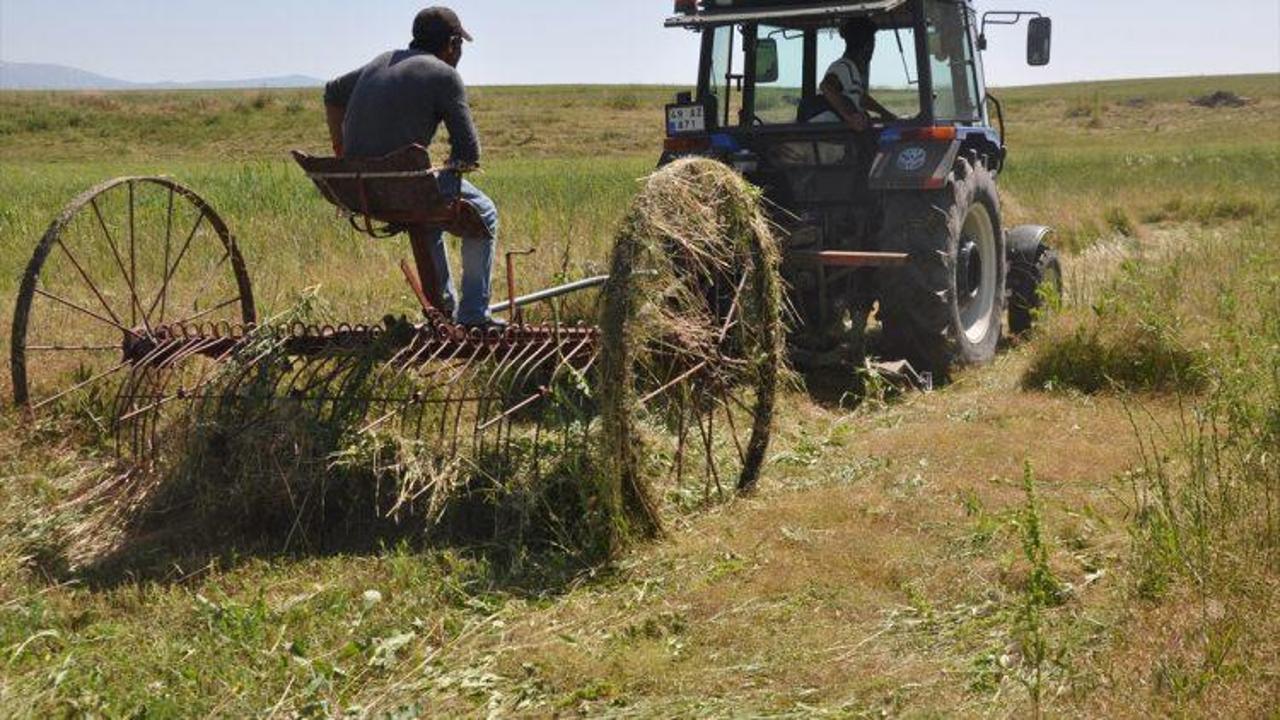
[686, 119]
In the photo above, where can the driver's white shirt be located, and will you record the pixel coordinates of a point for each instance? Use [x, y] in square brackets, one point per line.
[852, 85]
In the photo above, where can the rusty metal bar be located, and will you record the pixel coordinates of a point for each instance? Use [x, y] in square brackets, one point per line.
[850, 259]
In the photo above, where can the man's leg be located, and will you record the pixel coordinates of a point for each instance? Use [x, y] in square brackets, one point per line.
[477, 260]
[440, 258]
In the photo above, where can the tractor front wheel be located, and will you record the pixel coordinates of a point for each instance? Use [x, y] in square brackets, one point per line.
[946, 307]
[1035, 277]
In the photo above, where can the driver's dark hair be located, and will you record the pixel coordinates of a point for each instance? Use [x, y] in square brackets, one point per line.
[859, 30]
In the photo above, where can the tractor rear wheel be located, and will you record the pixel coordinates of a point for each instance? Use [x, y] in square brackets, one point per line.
[946, 307]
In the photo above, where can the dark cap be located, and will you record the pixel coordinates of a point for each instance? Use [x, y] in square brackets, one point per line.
[438, 23]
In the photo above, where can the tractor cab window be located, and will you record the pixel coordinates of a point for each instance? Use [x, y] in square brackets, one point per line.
[894, 82]
[725, 81]
[779, 74]
[952, 62]
[790, 65]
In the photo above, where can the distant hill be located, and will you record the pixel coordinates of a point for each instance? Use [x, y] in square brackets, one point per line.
[36, 76]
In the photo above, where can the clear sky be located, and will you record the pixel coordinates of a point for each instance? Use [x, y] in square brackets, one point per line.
[582, 41]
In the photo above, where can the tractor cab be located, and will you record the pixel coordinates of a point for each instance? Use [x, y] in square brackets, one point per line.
[759, 105]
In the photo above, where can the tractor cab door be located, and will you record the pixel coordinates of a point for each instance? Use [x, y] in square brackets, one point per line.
[955, 67]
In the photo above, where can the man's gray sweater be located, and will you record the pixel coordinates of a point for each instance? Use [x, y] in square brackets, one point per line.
[400, 99]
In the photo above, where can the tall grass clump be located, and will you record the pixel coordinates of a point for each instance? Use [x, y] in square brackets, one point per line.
[1210, 511]
[1137, 336]
[1205, 496]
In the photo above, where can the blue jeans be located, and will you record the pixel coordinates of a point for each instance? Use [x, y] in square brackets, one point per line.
[477, 255]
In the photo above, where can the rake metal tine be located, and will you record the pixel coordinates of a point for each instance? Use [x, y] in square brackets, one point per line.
[421, 346]
[458, 392]
[358, 373]
[531, 366]
[528, 364]
[152, 438]
[127, 393]
[374, 425]
[393, 363]
[565, 359]
[682, 434]
[436, 359]
[733, 428]
[122, 398]
[514, 352]
[484, 391]
[678, 380]
[234, 382]
[144, 432]
[542, 392]
[709, 435]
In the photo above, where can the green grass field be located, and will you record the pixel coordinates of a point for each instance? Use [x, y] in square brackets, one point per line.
[892, 564]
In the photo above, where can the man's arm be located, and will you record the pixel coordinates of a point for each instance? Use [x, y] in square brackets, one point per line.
[336, 96]
[874, 106]
[464, 141]
[844, 107]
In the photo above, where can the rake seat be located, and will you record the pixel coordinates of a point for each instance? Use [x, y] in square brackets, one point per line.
[400, 190]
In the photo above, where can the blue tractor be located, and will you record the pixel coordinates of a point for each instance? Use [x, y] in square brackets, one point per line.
[870, 130]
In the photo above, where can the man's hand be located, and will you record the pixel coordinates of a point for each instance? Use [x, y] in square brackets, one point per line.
[886, 115]
[858, 122]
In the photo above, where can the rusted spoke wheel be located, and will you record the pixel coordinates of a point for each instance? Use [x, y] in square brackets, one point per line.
[122, 261]
[691, 338]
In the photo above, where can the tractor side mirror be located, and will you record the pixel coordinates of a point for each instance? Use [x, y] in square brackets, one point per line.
[766, 61]
[1039, 41]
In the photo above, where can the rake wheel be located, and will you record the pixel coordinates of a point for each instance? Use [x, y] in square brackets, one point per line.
[122, 261]
[691, 339]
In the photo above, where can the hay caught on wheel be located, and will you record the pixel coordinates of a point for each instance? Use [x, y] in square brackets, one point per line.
[691, 341]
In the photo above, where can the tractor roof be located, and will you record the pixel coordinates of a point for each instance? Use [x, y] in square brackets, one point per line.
[722, 12]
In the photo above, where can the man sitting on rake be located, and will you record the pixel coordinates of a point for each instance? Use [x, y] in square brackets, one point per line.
[400, 99]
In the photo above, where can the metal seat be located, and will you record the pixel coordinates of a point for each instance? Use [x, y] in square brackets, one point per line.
[401, 190]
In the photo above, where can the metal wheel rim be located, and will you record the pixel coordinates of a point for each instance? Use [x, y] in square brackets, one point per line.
[976, 313]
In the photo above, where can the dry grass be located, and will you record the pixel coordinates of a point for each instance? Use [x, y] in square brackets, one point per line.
[883, 586]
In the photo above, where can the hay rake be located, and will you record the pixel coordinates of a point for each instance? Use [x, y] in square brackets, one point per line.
[136, 321]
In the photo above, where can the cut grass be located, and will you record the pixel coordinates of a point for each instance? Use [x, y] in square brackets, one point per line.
[879, 571]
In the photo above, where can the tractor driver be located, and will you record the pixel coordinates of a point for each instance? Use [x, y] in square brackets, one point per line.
[400, 99]
[844, 88]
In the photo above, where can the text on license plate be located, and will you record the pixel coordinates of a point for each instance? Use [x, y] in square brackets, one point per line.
[686, 119]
